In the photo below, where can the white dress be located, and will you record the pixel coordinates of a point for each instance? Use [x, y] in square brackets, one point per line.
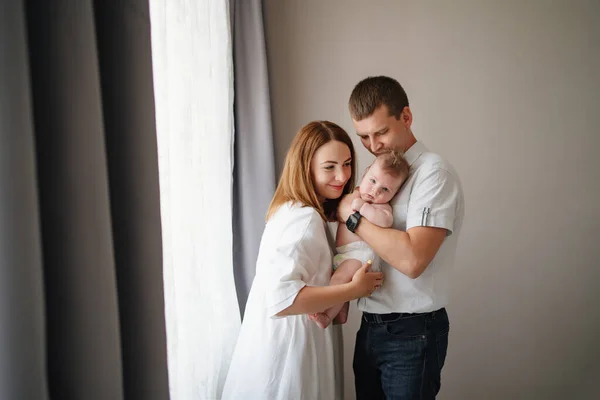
[287, 358]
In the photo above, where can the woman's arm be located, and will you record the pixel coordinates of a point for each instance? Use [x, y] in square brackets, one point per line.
[313, 299]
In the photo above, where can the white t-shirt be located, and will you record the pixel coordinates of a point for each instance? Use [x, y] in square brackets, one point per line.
[431, 196]
[289, 357]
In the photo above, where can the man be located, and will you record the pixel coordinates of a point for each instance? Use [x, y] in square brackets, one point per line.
[402, 342]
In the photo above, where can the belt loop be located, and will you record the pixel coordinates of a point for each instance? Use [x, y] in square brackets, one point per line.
[378, 319]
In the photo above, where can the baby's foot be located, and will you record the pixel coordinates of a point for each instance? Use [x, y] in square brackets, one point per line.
[320, 319]
[342, 316]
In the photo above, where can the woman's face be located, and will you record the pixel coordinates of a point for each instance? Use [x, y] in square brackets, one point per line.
[331, 168]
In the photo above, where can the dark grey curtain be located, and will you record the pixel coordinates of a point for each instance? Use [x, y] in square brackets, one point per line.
[254, 162]
[81, 303]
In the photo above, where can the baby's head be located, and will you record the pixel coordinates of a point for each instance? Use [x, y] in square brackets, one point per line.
[384, 177]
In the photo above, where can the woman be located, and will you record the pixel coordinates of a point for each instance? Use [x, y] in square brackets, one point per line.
[281, 353]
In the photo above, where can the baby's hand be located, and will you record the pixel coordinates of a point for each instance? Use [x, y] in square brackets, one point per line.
[357, 204]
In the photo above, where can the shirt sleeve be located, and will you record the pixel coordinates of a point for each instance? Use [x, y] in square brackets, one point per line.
[434, 200]
[293, 264]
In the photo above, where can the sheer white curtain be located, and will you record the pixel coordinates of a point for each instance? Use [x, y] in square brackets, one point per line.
[193, 84]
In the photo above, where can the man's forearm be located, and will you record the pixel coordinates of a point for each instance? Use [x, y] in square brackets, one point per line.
[391, 245]
[409, 252]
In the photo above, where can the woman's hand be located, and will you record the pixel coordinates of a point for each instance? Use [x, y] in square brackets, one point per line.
[366, 282]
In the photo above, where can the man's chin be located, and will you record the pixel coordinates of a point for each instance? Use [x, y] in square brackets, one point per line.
[386, 150]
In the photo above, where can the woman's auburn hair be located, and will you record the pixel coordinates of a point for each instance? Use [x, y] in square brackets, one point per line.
[296, 183]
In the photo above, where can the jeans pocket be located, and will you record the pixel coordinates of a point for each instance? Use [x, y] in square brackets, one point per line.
[407, 328]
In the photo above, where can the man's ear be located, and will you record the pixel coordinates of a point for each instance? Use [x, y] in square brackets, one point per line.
[406, 117]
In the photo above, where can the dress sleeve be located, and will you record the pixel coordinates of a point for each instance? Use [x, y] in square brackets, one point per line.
[295, 260]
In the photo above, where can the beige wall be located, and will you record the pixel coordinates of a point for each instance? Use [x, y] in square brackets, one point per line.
[509, 92]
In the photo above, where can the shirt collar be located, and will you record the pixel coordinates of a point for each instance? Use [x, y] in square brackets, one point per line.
[414, 152]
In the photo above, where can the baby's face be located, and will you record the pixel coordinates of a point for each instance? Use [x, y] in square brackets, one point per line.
[377, 186]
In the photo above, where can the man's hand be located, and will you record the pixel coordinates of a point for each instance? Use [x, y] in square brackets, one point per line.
[344, 209]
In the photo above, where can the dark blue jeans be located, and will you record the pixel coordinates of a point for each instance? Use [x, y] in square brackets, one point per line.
[400, 356]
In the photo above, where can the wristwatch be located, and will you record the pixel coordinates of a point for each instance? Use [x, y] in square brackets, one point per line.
[352, 221]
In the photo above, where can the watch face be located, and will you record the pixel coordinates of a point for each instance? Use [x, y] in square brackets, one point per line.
[352, 222]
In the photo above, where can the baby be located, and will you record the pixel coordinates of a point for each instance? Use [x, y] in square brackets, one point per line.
[381, 182]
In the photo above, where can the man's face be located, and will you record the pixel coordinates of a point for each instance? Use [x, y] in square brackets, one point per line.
[380, 131]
